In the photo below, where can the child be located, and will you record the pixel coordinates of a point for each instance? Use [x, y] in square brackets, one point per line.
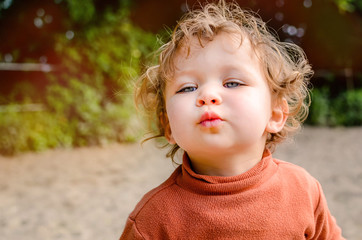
[226, 91]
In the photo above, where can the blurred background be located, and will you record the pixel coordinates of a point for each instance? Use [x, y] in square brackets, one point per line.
[67, 70]
[67, 67]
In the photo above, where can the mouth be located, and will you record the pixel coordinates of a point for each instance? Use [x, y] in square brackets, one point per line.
[210, 120]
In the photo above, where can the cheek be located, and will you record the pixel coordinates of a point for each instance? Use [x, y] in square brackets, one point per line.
[176, 114]
[171, 110]
[253, 107]
[181, 116]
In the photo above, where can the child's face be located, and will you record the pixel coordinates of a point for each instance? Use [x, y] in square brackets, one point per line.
[219, 101]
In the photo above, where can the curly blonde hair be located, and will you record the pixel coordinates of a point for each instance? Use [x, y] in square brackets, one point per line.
[285, 65]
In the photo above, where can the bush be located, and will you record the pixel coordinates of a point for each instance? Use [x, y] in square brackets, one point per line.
[91, 120]
[347, 108]
[32, 131]
[319, 110]
[344, 110]
[89, 98]
[94, 91]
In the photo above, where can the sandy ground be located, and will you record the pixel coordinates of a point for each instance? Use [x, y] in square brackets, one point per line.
[88, 193]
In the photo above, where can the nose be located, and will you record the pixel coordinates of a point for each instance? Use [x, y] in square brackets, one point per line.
[208, 97]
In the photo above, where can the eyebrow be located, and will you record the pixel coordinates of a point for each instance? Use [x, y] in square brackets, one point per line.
[182, 73]
[236, 69]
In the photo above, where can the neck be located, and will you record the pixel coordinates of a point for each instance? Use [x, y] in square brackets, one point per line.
[226, 165]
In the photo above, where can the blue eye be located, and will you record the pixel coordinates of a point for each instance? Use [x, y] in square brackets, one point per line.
[186, 89]
[232, 84]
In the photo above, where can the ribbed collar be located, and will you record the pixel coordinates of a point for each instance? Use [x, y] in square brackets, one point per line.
[216, 185]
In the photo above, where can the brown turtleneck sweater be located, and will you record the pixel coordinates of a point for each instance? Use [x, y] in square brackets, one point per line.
[273, 200]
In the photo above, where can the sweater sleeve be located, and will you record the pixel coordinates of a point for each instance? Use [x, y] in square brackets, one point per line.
[130, 231]
[325, 224]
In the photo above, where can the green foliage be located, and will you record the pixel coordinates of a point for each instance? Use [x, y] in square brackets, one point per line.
[89, 99]
[91, 120]
[86, 11]
[347, 109]
[319, 108]
[81, 11]
[31, 131]
[99, 63]
[344, 110]
[348, 5]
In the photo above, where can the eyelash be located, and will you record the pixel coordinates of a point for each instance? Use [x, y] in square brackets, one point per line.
[226, 85]
[187, 89]
[235, 84]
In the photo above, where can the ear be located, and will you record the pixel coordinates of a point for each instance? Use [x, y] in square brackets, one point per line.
[278, 117]
[167, 129]
[168, 134]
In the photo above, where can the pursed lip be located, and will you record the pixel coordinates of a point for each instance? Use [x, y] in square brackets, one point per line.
[209, 116]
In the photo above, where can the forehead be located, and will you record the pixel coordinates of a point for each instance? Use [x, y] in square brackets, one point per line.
[229, 41]
[227, 48]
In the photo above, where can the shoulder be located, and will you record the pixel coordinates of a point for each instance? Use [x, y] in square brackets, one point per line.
[157, 198]
[297, 178]
[156, 208]
[291, 170]
[305, 189]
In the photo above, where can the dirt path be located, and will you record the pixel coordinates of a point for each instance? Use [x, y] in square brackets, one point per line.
[87, 193]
